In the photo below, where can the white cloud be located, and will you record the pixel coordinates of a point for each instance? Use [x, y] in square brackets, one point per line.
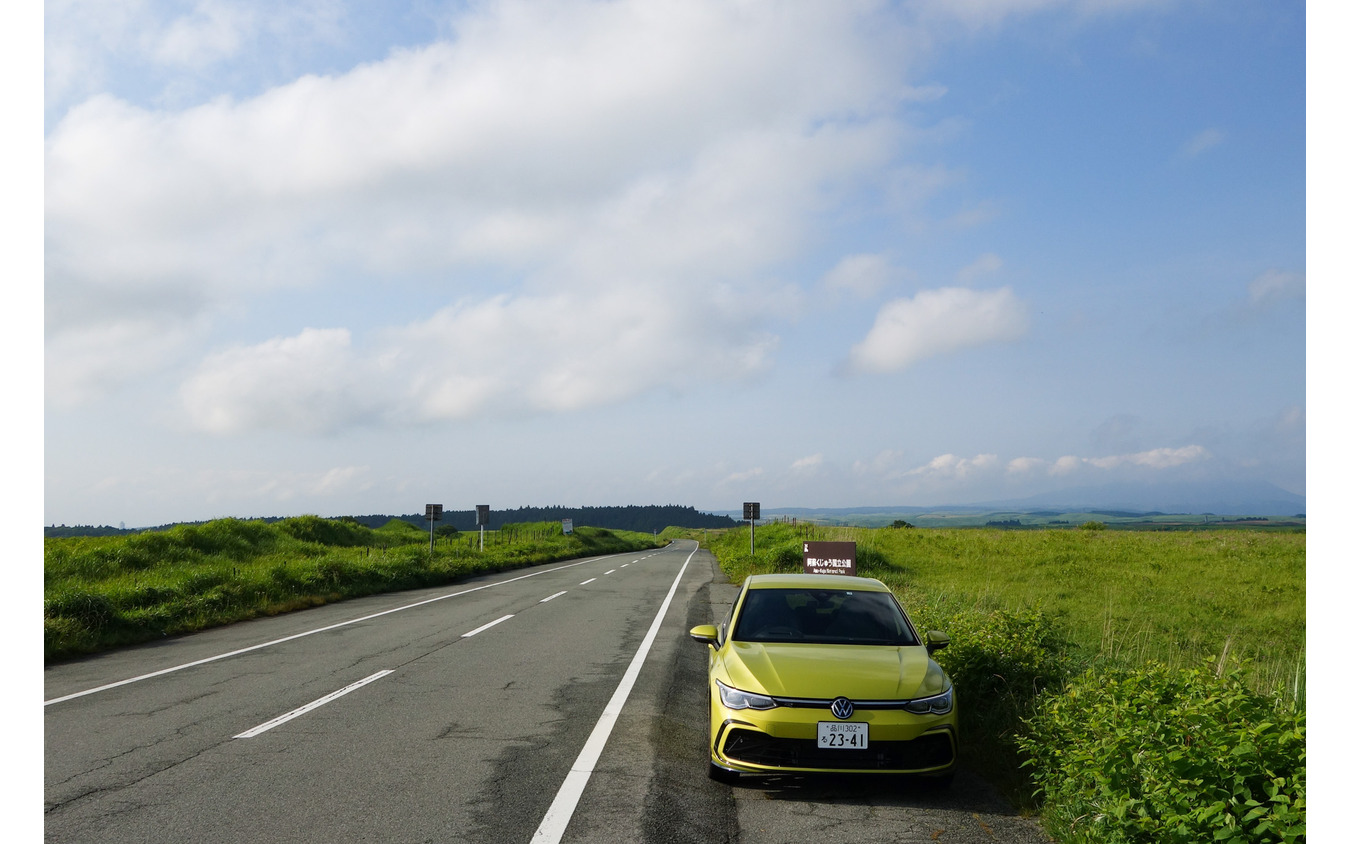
[938, 322]
[605, 164]
[863, 275]
[1158, 458]
[808, 465]
[1025, 465]
[1066, 465]
[311, 383]
[1202, 142]
[1275, 286]
[212, 32]
[90, 43]
[1164, 458]
[982, 266]
[884, 464]
[79, 368]
[952, 466]
[738, 478]
[502, 357]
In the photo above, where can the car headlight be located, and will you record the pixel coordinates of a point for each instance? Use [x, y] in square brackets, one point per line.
[737, 699]
[936, 705]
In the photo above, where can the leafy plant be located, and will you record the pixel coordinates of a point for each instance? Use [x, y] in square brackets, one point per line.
[1160, 754]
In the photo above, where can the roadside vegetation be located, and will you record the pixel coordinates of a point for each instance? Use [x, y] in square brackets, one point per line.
[104, 592]
[1130, 686]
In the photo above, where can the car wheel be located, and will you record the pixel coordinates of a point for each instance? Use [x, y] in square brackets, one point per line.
[722, 775]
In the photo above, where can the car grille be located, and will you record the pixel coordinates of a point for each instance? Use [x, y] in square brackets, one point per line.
[931, 750]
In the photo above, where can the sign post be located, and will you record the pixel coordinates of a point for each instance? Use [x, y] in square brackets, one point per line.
[830, 557]
[750, 512]
[433, 514]
[482, 510]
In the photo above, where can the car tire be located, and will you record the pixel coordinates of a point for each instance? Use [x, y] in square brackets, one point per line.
[722, 775]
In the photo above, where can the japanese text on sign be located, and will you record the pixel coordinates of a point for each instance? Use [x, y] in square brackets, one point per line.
[830, 557]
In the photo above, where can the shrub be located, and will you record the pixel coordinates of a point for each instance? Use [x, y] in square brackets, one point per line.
[1002, 658]
[1160, 754]
[232, 538]
[999, 661]
[327, 532]
[1092, 526]
[91, 610]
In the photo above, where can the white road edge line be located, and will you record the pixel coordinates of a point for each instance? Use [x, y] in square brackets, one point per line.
[296, 713]
[559, 814]
[554, 595]
[163, 671]
[477, 630]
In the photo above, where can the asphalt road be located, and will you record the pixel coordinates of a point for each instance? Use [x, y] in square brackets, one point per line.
[568, 714]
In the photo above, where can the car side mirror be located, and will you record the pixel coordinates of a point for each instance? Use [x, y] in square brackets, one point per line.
[705, 633]
[937, 640]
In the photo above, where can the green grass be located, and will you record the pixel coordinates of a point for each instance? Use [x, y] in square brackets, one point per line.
[104, 592]
[1126, 596]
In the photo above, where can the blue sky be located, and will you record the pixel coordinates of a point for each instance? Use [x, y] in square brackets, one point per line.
[346, 258]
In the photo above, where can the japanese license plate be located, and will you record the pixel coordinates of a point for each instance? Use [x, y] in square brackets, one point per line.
[838, 735]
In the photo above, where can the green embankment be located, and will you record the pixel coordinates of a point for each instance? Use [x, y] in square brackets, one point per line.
[1130, 686]
[103, 592]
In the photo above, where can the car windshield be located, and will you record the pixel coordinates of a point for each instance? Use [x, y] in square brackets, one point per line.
[823, 616]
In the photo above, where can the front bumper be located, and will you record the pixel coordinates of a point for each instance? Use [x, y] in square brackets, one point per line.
[784, 739]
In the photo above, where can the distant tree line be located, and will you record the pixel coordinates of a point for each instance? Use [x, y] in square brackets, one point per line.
[642, 518]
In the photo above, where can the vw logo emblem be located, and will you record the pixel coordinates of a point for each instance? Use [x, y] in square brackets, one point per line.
[842, 708]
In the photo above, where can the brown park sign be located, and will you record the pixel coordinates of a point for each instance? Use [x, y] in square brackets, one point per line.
[830, 557]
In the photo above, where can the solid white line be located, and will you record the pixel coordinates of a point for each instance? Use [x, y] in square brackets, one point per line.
[559, 814]
[296, 713]
[554, 595]
[312, 632]
[584, 582]
[477, 630]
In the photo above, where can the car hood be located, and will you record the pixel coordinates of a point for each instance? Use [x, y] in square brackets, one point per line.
[860, 672]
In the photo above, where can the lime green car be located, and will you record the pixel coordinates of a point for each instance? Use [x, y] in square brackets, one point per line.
[815, 673]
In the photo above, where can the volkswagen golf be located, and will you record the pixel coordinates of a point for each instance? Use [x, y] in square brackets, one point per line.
[816, 673]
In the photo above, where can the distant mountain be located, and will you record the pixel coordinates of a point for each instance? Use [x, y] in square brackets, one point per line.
[1222, 499]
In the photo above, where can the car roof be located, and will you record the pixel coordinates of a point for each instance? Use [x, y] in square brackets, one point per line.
[814, 581]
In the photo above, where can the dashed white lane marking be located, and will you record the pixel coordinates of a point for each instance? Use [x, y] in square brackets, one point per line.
[554, 595]
[477, 630]
[296, 713]
[584, 582]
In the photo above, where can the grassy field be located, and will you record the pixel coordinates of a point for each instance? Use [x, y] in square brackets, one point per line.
[1124, 596]
[103, 592]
